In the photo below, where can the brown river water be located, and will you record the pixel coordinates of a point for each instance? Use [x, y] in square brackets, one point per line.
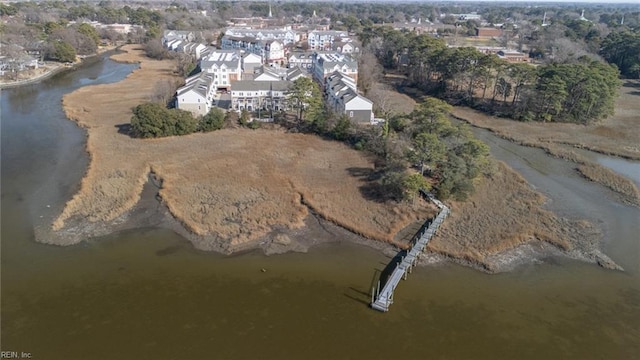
[148, 294]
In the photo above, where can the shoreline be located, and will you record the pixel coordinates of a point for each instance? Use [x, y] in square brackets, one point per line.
[156, 210]
[59, 68]
[295, 173]
[150, 212]
[34, 80]
[624, 187]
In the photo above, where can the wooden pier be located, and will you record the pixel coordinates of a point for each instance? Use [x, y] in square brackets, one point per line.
[382, 299]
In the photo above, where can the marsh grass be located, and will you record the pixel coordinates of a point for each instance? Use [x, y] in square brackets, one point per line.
[504, 212]
[607, 139]
[236, 184]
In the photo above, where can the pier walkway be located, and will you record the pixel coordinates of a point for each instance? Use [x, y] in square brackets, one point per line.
[382, 299]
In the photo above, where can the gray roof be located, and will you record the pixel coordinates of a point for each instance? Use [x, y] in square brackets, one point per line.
[330, 60]
[351, 94]
[249, 85]
[338, 78]
[199, 83]
[230, 58]
[294, 73]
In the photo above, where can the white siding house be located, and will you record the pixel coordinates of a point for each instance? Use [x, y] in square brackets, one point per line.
[265, 95]
[342, 96]
[225, 65]
[327, 63]
[196, 95]
[324, 40]
[250, 62]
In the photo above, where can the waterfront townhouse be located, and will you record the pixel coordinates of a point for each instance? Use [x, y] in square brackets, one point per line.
[342, 96]
[259, 95]
[225, 65]
[327, 63]
[196, 96]
[324, 40]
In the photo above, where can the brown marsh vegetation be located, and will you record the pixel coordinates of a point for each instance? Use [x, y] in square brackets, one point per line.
[236, 185]
[503, 213]
[617, 135]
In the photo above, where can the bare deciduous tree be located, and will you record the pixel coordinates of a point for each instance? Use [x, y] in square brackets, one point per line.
[369, 70]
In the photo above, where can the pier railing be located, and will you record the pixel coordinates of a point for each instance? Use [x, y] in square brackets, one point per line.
[381, 299]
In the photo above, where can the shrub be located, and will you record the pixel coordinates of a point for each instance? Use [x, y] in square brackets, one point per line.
[214, 120]
[151, 120]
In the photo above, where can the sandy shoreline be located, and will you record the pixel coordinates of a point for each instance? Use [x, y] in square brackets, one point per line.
[237, 190]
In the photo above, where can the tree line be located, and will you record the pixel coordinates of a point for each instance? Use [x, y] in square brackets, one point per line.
[582, 91]
[623, 49]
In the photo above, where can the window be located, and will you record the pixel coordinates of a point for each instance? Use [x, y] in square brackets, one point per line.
[350, 113]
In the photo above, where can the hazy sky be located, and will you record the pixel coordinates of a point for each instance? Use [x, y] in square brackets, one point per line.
[554, 1]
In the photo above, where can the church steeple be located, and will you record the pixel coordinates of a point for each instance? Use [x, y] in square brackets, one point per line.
[270, 13]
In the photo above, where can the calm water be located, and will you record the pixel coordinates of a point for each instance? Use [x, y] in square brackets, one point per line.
[147, 294]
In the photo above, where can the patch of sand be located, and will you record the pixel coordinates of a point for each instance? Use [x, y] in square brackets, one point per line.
[235, 184]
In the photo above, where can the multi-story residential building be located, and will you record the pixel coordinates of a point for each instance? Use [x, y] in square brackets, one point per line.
[265, 95]
[270, 50]
[324, 40]
[327, 63]
[301, 59]
[274, 51]
[266, 73]
[244, 43]
[187, 36]
[197, 94]
[344, 47]
[250, 62]
[285, 36]
[196, 50]
[225, 65]
[342, 96]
